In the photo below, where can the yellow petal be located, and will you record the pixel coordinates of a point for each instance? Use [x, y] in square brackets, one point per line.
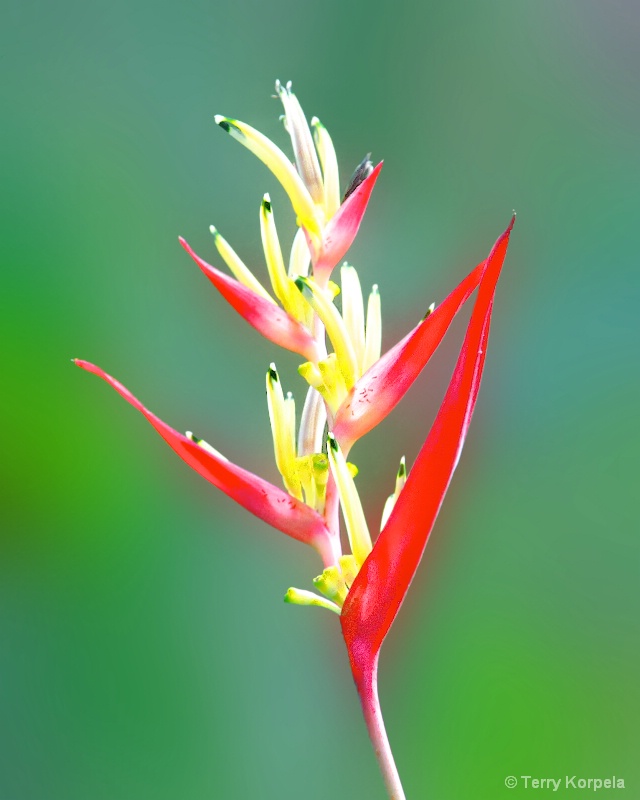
[238, 268]
[282, 419]
[303, 147]
[329, 163]
[283, 287]
[334, 325]
[353, 310]
[373, 334]
[354, 518]
[300, 258]
[389, 505]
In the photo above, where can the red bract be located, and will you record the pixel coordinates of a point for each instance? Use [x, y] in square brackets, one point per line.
[267, 318]
[381, 585]
[266, 501]
[382, 387]
[341, 230]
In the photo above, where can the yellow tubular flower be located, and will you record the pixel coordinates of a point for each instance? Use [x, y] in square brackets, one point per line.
[354, 518]
[300, 258]
[283, 286]
[282, 418]
[401, 479]
[303, 147]
[334, 325]
[290, 418]
[273, 157]
[301, 597]
[312, 422]
[329, 162]
[353, 311]
[373, 335]
[239, 269]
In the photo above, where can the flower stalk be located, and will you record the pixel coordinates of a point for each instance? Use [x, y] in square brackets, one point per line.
[372, 713]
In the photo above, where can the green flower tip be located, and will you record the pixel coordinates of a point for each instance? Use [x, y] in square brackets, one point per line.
[333, 443]
[227, 124]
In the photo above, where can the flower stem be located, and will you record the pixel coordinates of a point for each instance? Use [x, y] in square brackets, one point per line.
[368, 691]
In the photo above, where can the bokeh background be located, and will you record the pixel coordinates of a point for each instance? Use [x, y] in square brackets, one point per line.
[145, 651]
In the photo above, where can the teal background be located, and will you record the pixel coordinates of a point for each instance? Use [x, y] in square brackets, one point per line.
[145, 650]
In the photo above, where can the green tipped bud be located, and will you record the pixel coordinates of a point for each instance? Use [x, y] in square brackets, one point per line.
[228, 125]
[430, 311]
[300, 597]
[401, 479]
[205, 445]
[302, 285]
[279, 164]
[357, 530]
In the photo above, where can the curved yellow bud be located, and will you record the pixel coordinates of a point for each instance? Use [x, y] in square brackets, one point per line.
[354, 518]
[273, 157]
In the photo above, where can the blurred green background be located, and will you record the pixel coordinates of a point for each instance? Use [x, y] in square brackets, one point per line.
[145, 651]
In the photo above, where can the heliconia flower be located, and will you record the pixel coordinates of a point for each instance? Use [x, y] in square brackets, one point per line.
[380, 586]
[350, 390]
[266, 501]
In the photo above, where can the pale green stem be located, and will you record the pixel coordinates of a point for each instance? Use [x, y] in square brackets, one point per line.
[368, 691]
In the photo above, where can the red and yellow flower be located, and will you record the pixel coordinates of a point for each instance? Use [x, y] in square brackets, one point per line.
[351, 389]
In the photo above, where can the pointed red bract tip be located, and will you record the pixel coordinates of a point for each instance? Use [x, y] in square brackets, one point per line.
[342, 229]
[381, 585]
[267, 318]
[266, 501]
